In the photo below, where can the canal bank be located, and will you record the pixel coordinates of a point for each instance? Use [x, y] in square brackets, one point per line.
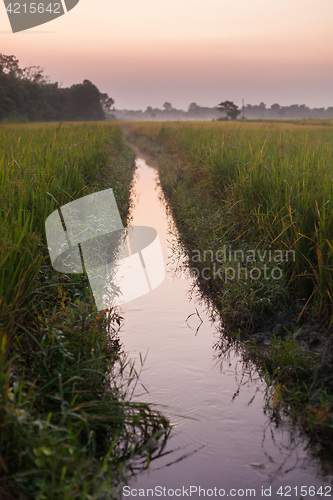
[222, 435]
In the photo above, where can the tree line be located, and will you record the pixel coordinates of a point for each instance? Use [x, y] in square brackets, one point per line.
[226, 110]
[26, 94]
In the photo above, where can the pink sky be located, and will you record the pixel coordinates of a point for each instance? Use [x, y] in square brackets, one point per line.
[144, 53]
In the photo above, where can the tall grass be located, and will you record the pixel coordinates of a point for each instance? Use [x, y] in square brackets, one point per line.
[260, 186]
[267, 185]
[67, 426]
[39, 165]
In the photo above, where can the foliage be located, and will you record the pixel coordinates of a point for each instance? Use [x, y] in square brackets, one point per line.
[295, 386]
[106, 102]
[257, 186]
[68, 428]
[261, 185]
[230, 109]
[27, 95]
[85, 102]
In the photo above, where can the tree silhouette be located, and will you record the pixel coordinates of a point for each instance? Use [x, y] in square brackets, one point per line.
[230, 109]
[106, 102]
[9, 65]
[27, 95]
[167, 106]
[84, 102]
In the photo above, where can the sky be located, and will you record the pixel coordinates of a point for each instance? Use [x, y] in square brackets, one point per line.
[143, 53]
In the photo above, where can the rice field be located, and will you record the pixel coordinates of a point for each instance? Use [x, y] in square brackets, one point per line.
[41, 167]
[68, 428]
[248, 186]
[258, 185]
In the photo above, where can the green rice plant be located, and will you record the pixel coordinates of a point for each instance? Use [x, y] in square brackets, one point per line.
[270, 183]
[261, 186]
[294, 386]
[68, 428]
[40, 166]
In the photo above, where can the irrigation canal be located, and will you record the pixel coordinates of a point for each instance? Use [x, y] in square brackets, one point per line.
[222, 437]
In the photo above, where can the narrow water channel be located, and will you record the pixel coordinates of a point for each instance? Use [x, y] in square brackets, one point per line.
[221, 437]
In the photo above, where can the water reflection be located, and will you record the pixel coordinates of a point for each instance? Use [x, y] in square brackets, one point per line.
[216, 400]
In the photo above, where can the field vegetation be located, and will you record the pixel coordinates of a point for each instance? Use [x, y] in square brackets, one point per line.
[68, 427]
[252, 188]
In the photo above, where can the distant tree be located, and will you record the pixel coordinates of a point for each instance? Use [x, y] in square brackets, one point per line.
[194, 110]
[27, 95]
[9, 65]
[193, 107]
[262, 108]
[275, 107]
[230, 109]
[150, 112]
[167, 106]
[106, 102]
[35, 74]
[85, 102]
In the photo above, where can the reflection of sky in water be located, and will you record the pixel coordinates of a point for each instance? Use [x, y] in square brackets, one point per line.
[214, 400]
[134, 267]
[121, 265]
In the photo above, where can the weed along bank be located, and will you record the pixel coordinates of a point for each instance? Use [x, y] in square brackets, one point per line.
[253, 209]
[68, 426]
[220, 403]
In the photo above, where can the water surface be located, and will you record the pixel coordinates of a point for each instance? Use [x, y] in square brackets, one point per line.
[221, 435]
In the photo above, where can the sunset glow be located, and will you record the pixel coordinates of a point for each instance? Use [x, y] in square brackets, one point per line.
[143, 53]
